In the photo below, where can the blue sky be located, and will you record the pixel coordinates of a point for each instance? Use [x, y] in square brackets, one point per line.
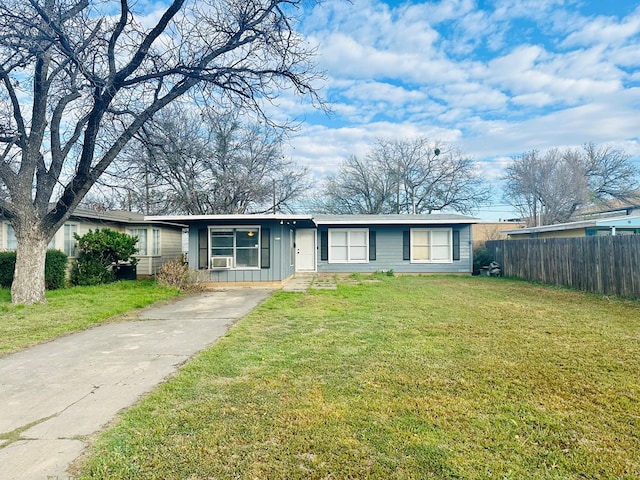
[496, 78]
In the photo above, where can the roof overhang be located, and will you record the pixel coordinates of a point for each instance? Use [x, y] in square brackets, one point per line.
[432, 219]
[227, 218]
[119, 216]
[317, 220]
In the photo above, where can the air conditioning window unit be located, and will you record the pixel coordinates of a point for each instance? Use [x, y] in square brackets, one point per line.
[219, 263]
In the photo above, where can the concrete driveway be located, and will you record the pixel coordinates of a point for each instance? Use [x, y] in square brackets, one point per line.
[55, 395]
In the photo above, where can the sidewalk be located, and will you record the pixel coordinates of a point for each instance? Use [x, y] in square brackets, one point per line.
[301, 282]
[54, 396]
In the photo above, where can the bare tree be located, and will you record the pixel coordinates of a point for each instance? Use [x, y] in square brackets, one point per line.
[186, 162]
[405, 176]
[548, 188]
[360, 186]
[79, 78]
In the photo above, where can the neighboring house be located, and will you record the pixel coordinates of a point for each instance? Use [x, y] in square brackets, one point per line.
[483, 231]
[158, 242]
[626, 225]
[612, 208]
[273, 247]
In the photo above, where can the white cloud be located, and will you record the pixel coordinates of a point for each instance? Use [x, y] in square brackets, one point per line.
[497, 81]
[605, 30]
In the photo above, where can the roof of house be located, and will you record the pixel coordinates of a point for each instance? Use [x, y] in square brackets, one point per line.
[396, 219]
[630, 221]
[120, 216]
[326, 219]
[109, 215]
[231, 217]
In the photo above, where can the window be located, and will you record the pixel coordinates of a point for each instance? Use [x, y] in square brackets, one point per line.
[235, 247]
[348, 245]
[70, 247]
[12, 241]
[431, 245]
[155, 241]
[141, 244]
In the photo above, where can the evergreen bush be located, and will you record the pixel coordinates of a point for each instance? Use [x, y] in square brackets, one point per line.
[99, 254]
[7, 266]
[55, 269]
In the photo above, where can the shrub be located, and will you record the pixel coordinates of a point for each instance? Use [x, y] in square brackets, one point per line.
[99, 254]
[7, 266]
[176, 275]
[55, 269]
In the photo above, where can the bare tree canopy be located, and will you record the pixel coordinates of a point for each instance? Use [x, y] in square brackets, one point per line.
[548, 188]
[189, 162]
[404, 176]
[79, 78]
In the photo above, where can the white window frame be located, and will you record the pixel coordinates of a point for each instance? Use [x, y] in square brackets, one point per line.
[69, 244]
[333, 232]
[156, 242]
[235, 229]
[7, 229]
[430, 245]
[134, 232]
[9, 233]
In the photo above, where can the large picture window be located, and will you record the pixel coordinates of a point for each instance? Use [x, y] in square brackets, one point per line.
[348, 245]
[431, 245]
[234, 247]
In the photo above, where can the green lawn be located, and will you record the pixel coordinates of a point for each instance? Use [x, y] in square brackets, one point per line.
[399, 378]
[72, 309]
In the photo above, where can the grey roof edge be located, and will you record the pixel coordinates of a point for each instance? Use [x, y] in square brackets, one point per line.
[119, 216]
[394, 219]
[226, 217]
[329, 219]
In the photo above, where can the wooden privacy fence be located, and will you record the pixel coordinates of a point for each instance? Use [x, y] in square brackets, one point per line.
[608, 264]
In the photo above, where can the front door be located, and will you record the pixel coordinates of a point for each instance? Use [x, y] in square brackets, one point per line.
[306, 250]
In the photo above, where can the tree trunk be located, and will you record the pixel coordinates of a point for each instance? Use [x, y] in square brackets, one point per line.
[28, 285]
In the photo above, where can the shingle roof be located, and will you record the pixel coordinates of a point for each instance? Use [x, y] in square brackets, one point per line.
[120, 216]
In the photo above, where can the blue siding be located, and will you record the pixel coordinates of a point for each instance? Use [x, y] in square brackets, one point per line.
[389, 254]
[279, 251]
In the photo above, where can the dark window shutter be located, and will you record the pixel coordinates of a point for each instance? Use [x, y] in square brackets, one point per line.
[265, 250]
[456, 245]
[406, 247]
[372, 245]
[203, 244]
[324, 246]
